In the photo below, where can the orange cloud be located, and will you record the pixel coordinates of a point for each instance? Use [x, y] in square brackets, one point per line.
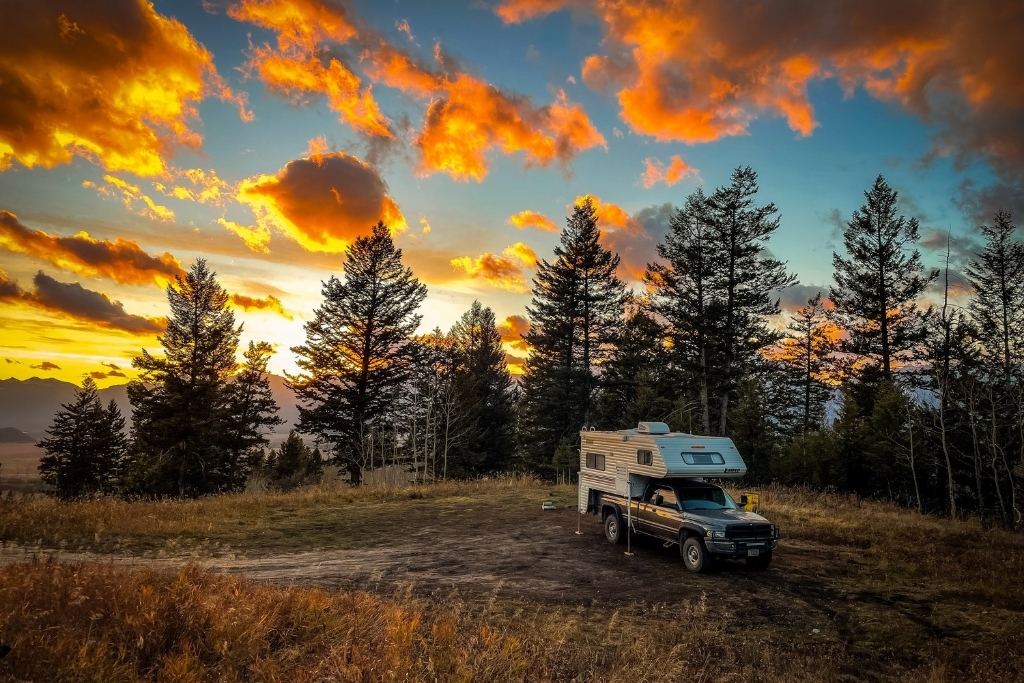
[512, 330]
[121, 260]
[195, 185]
[270, 304]
[474, 117]
[322, 202]
[298, 68]
[532, 219]
[694, 71]
[465, 119]
[517, 11]
[114, 82]
[610, 217]
[72, 300]
[256, 238]
[655, 172]
[133, 198]
[505, 271]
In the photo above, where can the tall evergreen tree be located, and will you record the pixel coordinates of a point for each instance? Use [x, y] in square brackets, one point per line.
[180, 400]
[483, 388]
[250, 410]
[716, 290]
[997, 275]
[358, 349]
[84, 446]
[684, 296]
[746, 277]
[879, 280]
[576, 308]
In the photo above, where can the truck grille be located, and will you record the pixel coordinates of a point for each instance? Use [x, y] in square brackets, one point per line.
[743, 532]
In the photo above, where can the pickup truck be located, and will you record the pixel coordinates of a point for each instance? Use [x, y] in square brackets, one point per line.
[698, 516]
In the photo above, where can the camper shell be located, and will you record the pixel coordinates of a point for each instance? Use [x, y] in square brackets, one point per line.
[651, 481]
[610, 460]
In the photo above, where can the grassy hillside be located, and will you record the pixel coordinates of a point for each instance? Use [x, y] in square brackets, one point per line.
[471, 581]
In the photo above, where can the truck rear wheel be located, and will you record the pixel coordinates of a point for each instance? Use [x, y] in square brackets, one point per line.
[614, 529]
[695, 556]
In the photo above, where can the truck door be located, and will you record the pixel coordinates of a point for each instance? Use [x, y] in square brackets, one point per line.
[659, 512]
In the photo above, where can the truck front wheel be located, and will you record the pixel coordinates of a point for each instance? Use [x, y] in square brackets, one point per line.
[614, 529]
[695, 555]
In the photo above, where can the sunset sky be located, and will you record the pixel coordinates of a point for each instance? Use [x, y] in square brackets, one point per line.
[264, 135]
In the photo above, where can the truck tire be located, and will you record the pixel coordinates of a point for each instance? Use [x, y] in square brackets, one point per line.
[760, 562]
[614, 529]
[696, 557]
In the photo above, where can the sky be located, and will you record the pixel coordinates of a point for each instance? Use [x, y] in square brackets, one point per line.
[266, 135]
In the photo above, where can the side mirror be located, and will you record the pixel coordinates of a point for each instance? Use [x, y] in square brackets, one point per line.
[659, 500]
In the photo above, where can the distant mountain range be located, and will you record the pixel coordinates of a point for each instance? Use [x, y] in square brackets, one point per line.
[28, 406]
[12, 435]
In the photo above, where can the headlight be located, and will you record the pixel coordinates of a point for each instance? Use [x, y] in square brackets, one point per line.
[717, 534]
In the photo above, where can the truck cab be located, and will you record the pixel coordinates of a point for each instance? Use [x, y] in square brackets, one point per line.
[698, 515]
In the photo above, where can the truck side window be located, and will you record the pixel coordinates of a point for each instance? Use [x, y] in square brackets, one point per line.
[668, 497]
[644, 457]
[595, 461]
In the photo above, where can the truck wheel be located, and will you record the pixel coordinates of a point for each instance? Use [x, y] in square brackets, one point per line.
[760, 562]
[614, 529]
[695, 555]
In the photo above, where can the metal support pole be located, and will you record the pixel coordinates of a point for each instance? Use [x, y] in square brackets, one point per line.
[579, 492]
[629, 514]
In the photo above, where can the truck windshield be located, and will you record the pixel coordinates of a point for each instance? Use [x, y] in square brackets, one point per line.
[706, 499]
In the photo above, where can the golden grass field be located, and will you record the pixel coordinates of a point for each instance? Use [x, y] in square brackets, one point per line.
[471, 581]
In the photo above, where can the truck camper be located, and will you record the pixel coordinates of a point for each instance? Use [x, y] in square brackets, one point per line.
[652, 481]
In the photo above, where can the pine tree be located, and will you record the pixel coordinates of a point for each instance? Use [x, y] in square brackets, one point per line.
[294, 463]
[483, 390]
[806, 355]
[250, 410]
[997, 275]
[358, 349]
[717, 291]
[684, 296]
[180, 400]
[879, 281]
[747, 280]
[84, 446]
[576, 308]
[635, 385]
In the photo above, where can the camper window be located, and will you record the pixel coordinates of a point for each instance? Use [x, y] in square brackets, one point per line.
[644, 457]
[595, 461]
[703, 458]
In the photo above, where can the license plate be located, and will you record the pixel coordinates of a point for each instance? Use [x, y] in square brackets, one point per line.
[753, 552]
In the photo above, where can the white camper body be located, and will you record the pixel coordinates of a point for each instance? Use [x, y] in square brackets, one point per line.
[611, 461]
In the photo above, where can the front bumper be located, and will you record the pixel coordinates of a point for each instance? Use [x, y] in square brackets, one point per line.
[736, 549]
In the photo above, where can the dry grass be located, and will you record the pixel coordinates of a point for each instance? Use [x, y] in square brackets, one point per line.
[316, 517]
[92, 622]
[902, 545]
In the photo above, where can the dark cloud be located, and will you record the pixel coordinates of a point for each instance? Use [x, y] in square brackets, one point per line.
[46, 365]
[75, 301]
[96, 374]
[323, 202]
[796, 296]
[120, 260]
[962, 248]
